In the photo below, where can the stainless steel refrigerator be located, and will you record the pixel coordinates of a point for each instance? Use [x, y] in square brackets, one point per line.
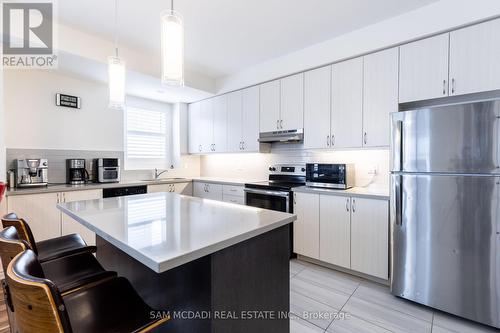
[445, 209]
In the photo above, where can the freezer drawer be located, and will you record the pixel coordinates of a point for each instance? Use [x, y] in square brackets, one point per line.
[446, 243]
[450, 139]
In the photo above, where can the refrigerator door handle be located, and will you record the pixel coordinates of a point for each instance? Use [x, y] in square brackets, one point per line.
[397, 148]
[398, 189]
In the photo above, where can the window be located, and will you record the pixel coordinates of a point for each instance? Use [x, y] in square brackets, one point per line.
[146, 139]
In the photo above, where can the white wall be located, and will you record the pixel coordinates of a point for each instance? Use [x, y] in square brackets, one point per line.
[428, 20]
[34, 121]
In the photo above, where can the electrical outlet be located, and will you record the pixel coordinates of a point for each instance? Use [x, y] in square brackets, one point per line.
[373, 170]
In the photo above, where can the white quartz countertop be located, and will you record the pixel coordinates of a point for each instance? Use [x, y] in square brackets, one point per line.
[227, 181]
[366, 192]
[166, 230]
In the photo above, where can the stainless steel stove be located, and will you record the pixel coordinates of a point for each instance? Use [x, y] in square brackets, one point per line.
[276, 193]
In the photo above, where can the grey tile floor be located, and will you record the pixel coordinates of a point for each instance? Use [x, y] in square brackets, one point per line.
[324, 300]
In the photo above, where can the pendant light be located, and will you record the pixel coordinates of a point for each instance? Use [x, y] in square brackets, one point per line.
[116, 73]
[172, 47]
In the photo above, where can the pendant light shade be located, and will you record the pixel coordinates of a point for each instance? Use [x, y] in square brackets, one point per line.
[116, 73]
[116, 81]
[172, 48]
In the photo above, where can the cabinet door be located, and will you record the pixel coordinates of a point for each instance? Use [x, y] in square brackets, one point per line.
[347, 104]
[234, 121]
[195, 128]
[206, 125]
[370, 237]
[250, 118]
[40, 211]
[317, 108]
[220, 124]
[474, 58]
[380, 96]
[306, 227]
[335, 230]
[269, 106]
[183, 188]
[214, 191]
[292, 102]
[423, 69]
[200, 189]
[233, 199]
[160, 188]
[70, 226]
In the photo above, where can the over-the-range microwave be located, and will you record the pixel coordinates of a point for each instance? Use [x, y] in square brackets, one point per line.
[336, 176]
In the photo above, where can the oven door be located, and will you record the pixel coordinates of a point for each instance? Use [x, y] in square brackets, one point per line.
[273, 200]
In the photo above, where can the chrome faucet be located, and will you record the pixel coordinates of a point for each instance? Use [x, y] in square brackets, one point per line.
[158, 174]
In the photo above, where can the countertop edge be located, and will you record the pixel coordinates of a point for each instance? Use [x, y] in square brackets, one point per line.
[352, 192]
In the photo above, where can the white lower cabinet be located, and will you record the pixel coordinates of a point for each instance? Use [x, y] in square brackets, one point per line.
[180, 188]
[306, 227]
[207, 190]
[233, 199]
[40, 211]
[335, 230]
[348, 232]
[370, 237]
[70, 226]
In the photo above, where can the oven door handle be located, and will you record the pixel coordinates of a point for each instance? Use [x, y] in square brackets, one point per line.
[275, 193]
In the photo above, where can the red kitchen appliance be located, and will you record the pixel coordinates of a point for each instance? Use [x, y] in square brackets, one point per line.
[3, 186]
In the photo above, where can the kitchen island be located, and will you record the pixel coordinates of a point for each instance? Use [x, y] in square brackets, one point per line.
[212, 266]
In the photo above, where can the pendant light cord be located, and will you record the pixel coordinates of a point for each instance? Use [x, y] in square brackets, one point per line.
[116, 28]
[172, 6]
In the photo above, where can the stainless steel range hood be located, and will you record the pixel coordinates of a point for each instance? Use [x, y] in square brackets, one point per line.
[283, 136]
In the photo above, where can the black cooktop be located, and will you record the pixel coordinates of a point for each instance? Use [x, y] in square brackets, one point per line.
[275, 185]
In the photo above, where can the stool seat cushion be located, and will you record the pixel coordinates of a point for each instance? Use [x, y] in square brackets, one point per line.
[62, 246]
[71, 272]
[111, 306]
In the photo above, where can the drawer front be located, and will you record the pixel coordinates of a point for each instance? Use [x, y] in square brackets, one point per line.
[234, 199]
[233, 190]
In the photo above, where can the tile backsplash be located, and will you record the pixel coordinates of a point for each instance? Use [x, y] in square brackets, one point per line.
[190, 165]
[254, 166]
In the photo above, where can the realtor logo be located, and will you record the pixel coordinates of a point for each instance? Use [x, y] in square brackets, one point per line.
[28, 30]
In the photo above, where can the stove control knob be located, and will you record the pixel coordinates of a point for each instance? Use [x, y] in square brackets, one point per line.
[303, 169]
[272, 169]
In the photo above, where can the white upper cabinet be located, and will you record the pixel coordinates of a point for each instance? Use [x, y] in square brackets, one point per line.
[380, 96]
[292, 102]
[317, 92]
[424, 69]
[269, 106]
[234, 121]
[219, 131]
[474, 58]
[347, 104]
[206, 121]
[250, 118]
[195, 128]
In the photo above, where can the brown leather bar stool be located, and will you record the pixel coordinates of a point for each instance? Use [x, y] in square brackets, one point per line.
[48, 249]
[67, 273]
[109, 306]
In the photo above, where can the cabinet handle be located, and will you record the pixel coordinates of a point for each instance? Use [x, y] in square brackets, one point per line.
[278, 124]
[444, 87]
[366, 138]
[453, 86]
[347, 204]
[328, 141]
[57, 195]
[214, 147]
[354, 205]
[333, 140]
[244, 145]
[294, 198]
[199, 147]
[240, 145]
[281, 123]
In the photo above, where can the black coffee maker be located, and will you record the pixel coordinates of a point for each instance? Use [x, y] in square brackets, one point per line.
[76, 174]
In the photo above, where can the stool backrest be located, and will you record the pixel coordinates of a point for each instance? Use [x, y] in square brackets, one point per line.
[38, 305]
[10, 246]
[22, 227]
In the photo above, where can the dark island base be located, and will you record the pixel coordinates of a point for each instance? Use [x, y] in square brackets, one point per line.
[243, 281]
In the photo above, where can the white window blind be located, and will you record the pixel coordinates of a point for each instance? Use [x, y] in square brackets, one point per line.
[146, 138]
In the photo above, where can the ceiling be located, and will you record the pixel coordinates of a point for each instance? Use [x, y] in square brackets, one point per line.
[225, 36]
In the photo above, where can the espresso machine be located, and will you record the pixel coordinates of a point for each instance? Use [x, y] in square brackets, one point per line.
[76, 174]
[31, 172]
